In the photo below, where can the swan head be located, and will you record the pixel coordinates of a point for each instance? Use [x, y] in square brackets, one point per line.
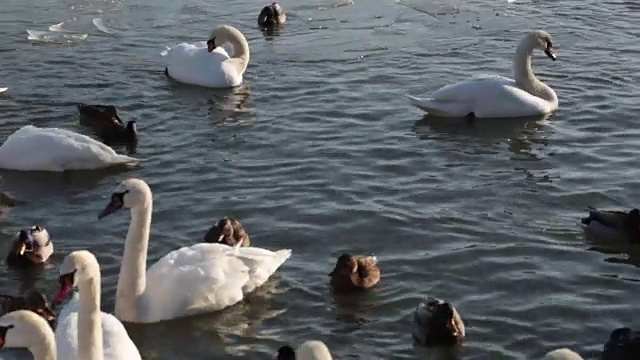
[437, 324]
[23, 329]
[131, 193]
[34, 244]
[78, 266]
[271, 16]
[308, 350]
[540, 40]
[221, 35]
[562, 354]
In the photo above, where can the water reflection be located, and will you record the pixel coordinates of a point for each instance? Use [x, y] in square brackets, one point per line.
[620, 250]
[353, 308]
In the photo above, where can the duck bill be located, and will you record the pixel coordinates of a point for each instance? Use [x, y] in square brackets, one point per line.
[550, 54]
[23, 249]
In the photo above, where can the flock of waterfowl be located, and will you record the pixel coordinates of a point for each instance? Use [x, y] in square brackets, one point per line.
[226, 266]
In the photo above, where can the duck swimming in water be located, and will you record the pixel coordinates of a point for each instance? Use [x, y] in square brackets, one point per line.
[271, 16]
[228, 231]
[621, 225]
[104, 120]
[354, 273]
[32, 247]
[34, 301]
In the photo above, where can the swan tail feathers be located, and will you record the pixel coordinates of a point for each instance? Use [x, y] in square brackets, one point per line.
[124, 159]
[282, 256]
[441, 107]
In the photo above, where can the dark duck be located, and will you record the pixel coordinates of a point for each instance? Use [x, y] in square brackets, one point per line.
[438, 327]
[104, 120]
[623, 344]
[32, 247]
[228, 231]
[271, 16]
[618, 225]
[33, 301]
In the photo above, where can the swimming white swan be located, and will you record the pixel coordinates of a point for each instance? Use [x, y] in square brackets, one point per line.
[496, 96]
[83, 331]
[191, 280]
[562, 354]
[26, 329]
[210, 65]
[3, 90]
[308, 350]
[51, 149]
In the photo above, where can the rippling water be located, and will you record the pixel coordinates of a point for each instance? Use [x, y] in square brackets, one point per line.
[320, 152]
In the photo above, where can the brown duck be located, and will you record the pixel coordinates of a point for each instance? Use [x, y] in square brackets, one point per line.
[228, 231]
[353, 273]
[104, 120]
[271, 16]
[32, 247]
[34, 301]
[437, 325]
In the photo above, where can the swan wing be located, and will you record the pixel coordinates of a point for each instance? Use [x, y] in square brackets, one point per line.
[205, 278]
[117, 345]
[193, 64]
[484, 96]
[49, 149]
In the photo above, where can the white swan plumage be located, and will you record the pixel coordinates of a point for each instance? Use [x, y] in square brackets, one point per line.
[208, 64]
[83, 331]
[3, 89]
[562, 354]
[32, 148]
[191, 280]
[492, 96]
[26, 329]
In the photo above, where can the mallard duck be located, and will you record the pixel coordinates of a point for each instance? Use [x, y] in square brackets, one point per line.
[613, 223]
[308, 350]
[353, 273]
[271, 16]
[104, 120]
[437, 324]
[228, 231]
[33, 300]
[623, 344]
[31, 247]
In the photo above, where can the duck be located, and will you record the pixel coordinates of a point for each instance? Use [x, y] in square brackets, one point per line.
[33, 300]
[615, 224]
[83, 331]
[623, 344]
[105, 121]
[308, 350]
[438, 326]
[228, 231]
[57, 150]
[493, 96]
[354, 273]
[271, 16]
[25, 329]
[210, 65]
[31, 247]
[196, 279]
[564, 354]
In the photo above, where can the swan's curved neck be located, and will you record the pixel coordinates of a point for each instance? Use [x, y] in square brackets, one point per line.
[89, 320]
[525, 79]
[132, 280]
[240, 57]
[45, 345]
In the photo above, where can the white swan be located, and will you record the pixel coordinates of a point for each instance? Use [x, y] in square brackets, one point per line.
[83, 331]
[3, 90]
[51, 149]
[308, 350]
[497, 96]
[26, 329]
[210, 65]
[188, 281]
[562, 354]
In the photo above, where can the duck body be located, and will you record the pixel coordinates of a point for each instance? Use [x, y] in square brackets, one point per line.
[207, 64]
[354, 273]
[488, 96]
[34, 301]
[32, 247]
[104, 120]
[623, 344]
[614, 224]
[51, 149]
[228, 231]
[437, 324]
[271, 16]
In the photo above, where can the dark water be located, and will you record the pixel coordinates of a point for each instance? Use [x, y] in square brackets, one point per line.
[320, 152]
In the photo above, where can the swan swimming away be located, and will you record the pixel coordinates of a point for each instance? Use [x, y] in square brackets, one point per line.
[210, 65]
[83, 331]
[496, 96]
[32, 148]
[188, 281]
[25, 329]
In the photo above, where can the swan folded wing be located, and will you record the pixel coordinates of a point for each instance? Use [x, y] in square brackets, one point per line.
[262, 264]
[191, 280]
[193, 64]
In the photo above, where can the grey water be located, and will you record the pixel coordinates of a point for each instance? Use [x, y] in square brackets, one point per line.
[320, 152]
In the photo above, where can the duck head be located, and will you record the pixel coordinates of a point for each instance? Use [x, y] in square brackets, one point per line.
[286, 352]
[345, 265]
[271, 16]
[132, 129]
[38, 303]
[437, 324]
